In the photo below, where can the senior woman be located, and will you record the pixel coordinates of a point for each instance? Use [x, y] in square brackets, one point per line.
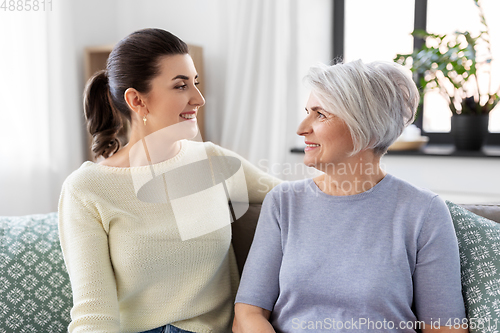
[354, 249]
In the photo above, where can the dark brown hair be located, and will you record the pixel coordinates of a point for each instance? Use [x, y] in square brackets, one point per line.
[133, 63]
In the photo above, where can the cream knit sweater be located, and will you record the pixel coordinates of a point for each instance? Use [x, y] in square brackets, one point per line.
[129, 269]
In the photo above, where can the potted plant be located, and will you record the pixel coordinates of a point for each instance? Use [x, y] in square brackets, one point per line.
[456, 66]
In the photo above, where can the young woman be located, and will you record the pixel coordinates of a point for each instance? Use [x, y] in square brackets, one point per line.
[144, 257]
[354, 249]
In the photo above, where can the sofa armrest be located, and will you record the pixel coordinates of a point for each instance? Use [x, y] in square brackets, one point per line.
[489, 211]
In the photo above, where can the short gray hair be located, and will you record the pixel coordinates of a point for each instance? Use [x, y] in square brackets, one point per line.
[376, 100]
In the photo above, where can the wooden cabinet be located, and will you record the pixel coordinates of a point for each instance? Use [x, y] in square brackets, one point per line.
[95, 59]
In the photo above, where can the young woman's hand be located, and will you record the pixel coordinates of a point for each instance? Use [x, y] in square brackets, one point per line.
[251, 319]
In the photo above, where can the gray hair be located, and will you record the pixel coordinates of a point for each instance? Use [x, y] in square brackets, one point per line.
[376, 100]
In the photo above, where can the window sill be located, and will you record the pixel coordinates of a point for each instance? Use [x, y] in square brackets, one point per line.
[446, 150]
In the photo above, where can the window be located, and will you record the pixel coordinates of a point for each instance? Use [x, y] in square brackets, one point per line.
[389, 36]
[378, 30]
[461, 15]
[23, 119]
[25, 160]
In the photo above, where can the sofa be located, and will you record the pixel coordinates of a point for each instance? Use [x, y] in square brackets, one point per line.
[35, 291]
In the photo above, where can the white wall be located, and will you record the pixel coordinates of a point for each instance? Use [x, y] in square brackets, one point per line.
[458, 179]
[92, 22]
[314, 38]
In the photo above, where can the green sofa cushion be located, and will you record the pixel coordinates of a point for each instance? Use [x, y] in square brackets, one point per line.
[479, 244]
[35, 291]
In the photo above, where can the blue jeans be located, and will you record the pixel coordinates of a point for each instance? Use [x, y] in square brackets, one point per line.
[167, 329]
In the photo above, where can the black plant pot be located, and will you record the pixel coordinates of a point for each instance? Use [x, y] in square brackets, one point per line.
[469, 131]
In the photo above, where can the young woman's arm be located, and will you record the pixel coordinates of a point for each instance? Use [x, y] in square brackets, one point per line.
[85, 249]
[258, 182]
[251, 319]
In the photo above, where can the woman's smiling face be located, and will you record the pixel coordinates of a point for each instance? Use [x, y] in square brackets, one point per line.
[173, 97]
[327, 137]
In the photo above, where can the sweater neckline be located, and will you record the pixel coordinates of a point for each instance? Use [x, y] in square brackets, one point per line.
[379, 186]
[174, 159]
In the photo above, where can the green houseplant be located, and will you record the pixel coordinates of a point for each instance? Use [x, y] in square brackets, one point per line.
[453, 64]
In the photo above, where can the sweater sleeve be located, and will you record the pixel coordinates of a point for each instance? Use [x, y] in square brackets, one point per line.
[85, 248]
[258, 182]
[436, 279]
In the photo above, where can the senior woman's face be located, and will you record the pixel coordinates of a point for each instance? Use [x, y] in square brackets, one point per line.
[327, 137]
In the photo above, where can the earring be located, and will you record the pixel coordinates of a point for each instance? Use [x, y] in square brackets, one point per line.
[144, 119]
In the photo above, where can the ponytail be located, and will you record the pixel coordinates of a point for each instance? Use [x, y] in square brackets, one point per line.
[103, 120]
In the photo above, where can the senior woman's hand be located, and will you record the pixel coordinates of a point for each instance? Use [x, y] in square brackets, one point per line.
[251, 319]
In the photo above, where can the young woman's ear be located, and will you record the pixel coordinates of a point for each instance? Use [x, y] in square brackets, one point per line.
[135, 101]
